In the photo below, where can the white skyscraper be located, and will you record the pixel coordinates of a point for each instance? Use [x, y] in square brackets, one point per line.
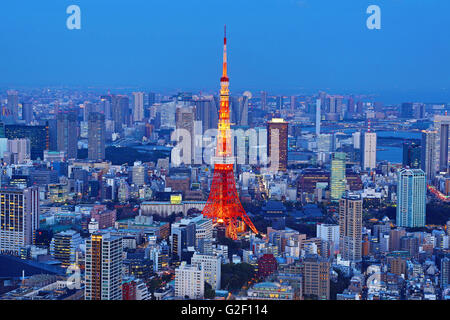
[138, 109]
[20, 149]
[189, 281]
[211, 267]
[328, 232]
[370, 150]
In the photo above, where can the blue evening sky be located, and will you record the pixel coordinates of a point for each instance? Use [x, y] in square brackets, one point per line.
[282, 46]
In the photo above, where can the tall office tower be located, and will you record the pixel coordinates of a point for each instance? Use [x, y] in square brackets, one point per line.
[206, 112]
[293, 103]
[67, 138]
[151, 98]
[19, 218]
[356, 140]
[88, 108]
[103, 279]
[316, 277]
[120, 111]
[441, 125]
[38, 135]
[20, 150]
[359, 107]
[211, 267]
[166, 112]
[277, 141]
[428, 161]
[279, 103]
[394, 238]
[263, 100]
[189, 281]
[53, 134]
[139, 174]
[332, 106]
[351, 106]
[338, 182]
[239, 109]
[318, 116]
[64, 246]
[184, 119]
[27, 112]
[406, 110]
[411, 198]
[13, 103]
[138, 107]
[350, 227]
[369, 150]
[412, 155]
[96, 140]
[106, 106]
[445, 272]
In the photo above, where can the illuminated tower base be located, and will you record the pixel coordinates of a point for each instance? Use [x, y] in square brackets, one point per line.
[223, 204]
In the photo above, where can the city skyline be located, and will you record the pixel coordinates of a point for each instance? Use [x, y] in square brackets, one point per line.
[274, 47]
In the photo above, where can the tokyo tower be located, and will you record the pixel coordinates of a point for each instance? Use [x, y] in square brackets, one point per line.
[223, 205]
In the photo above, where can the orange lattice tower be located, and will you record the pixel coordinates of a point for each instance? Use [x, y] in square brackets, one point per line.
[223, 204]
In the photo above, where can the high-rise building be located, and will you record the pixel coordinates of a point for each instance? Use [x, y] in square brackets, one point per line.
[411, 198]
[316, 277]
[369, 150]
[189, 281]
[139, 174]
[38, 135]
[407, 110]
[293, 103]
[13, 103]
[104, 259]
[27, 112]
[445, 272]
[329, 233]
[19, 150]
[428, 161]
[277, 140]
[120, 111]
[441, 125]
[239, 109]
[151, 99]
[96, 140]
[138, 107]
[263, 100]
[19, 218]
[338, 182]
[206, 112]
[412, 155]
[211, 265]
[182, 237]
[318, 116]
[184, 119]
[350, 227]
[64, 246]
[67, 139]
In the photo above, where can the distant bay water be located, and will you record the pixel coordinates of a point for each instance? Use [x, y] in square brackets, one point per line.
[386, 150]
